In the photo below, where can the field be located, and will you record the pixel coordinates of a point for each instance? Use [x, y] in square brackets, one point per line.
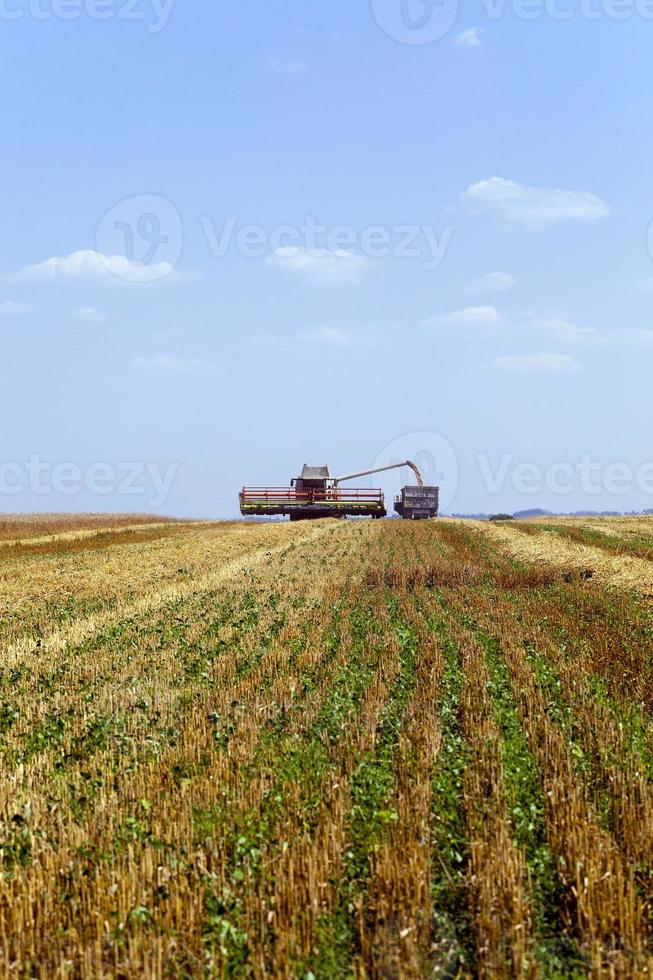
[368, 749]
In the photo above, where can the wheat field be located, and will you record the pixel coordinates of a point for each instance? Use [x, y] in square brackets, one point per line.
[327, 749]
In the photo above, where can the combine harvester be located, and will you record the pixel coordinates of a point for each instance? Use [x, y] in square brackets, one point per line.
[317, 494]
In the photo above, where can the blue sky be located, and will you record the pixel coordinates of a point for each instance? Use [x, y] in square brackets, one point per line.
[510, 157]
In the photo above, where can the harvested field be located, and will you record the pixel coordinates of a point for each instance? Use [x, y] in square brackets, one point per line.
[614, 560]
[324, 750]
[17, 527]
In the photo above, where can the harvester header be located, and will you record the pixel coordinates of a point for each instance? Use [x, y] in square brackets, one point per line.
[315, 493]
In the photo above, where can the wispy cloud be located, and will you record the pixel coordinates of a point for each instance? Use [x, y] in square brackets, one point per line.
[563, 329]
[492, 282]
[326, 336]
[533, 207]
[10, 307]
[88, 265]
[287, 67]
[167, 364]
[641, 339]
[470, 38]
[320, 265]
[537, 363]
[472, 316]
[90, 315]
[488, 321]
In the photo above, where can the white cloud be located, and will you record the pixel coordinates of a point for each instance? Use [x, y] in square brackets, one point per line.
[357, 339]
[472, 316]
[492, 282]
[535, 207]
[321, 265]
[471, 38]
[641, 339]
[488, 319]
[563, 329]
[537, 363]
[263, 338]
[287, 67]
[89, 265]
[11, 308]
[90, 315]
[166, 364]
[327, 337]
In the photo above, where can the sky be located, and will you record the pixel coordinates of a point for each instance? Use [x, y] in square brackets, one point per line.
[241, 237]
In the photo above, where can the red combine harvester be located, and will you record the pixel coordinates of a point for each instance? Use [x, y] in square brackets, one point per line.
[317, 494]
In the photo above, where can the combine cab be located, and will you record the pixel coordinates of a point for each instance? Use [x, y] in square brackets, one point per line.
[315, 493]
[310, 496]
